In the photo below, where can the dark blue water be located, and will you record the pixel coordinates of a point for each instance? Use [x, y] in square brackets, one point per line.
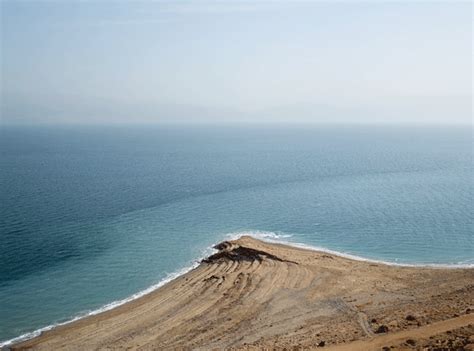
[90, 215]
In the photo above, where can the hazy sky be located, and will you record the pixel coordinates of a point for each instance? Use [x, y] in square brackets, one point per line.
[141, 61]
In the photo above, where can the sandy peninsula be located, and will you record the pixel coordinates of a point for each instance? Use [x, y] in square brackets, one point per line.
[253, 295]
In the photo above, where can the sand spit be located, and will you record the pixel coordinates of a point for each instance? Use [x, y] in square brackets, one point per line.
[254, 295]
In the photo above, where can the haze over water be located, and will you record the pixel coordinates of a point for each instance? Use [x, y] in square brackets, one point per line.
[134, 135]
[90, 215]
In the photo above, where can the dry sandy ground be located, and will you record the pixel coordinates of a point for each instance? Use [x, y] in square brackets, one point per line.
[253, 295]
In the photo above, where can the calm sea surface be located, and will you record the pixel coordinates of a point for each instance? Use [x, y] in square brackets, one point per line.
[93, 215]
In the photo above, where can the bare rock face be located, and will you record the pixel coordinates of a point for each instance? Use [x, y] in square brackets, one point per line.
[381, 329]
[227, 251]
[223, 246]
[249, 296]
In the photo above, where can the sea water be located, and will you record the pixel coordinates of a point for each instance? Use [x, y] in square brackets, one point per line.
[94, 216]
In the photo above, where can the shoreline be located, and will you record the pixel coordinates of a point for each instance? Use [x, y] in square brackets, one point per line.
[105, 308]
[277, 240]
[283, 252]
[268, 237]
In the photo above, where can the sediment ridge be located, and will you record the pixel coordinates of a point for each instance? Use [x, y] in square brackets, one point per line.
[254, 295]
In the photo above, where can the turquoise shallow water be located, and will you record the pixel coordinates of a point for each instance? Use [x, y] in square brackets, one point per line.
[94, 215]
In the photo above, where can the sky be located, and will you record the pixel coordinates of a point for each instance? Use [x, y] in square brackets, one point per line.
[223, 61]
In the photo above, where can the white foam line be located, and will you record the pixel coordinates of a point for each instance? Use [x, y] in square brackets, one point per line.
[277, 239]
[270, 237]
[109, 306]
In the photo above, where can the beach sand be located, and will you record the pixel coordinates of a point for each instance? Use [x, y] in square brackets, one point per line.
[257, 295]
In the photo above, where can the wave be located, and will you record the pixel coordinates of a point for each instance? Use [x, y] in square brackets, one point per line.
[107, 307]
[259, 234]
[278, 238]
[268, 236]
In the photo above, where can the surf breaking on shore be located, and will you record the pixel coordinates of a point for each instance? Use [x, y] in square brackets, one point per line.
[277, 238]
[266, 236]
[252, 294]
